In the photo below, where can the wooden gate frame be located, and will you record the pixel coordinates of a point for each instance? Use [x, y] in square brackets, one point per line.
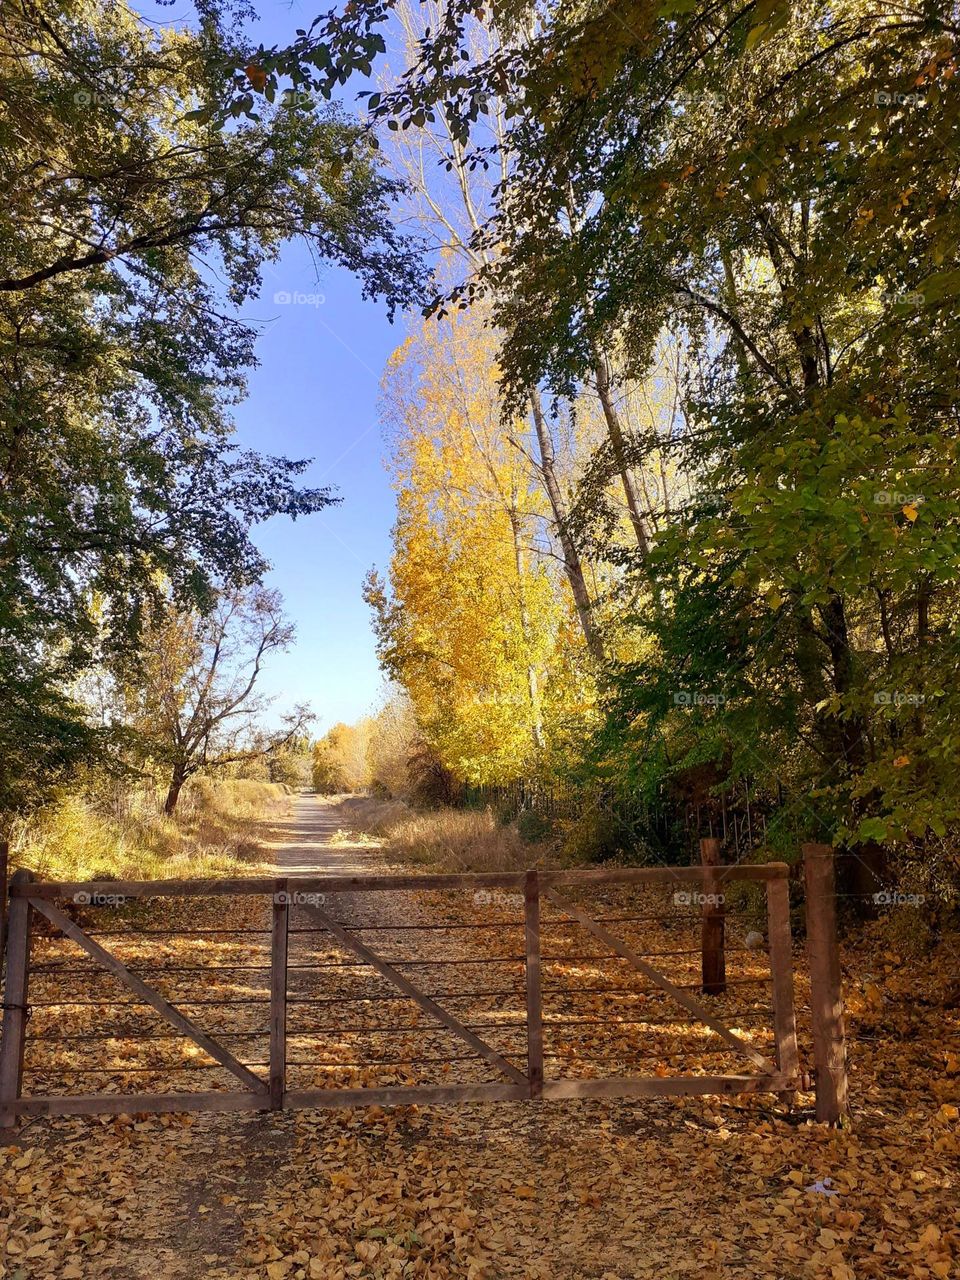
[27, 896]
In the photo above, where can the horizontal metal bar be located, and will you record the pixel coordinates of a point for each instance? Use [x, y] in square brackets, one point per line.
[409, 960]
[160, 1069]
[159, 970]
[140, 1035]
[697, 1054]
[439, 995]
[393, 883]
[685, 951]
[103, 1037]
[654, 1021]
[613, 955]
[414, 928]
[52, 970]
[691, 918]
[664, 1086]
[404, 1095]
[420, 1029]
[167, 933]
[646, 992]
[650, 1020]
[399, 928]
[141, 1004]
[396, 1062]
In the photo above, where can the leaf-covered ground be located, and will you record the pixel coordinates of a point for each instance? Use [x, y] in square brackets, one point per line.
[663, 1188]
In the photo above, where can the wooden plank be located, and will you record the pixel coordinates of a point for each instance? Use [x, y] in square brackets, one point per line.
[681, 997]
[429, 1006]
[135, 1104]
[389, 883]
[531, 900]
[151, 997]
[662, 875]
[406, 1095]
[88, 891]
[389, 1096]
[826, 988]
[713, 960]
[781, 973]
[278, 994]
[15, 992]
[400, 1095]
[657, 1086]
[112, 889]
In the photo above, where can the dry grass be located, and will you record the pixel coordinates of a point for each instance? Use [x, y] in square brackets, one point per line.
[213, 833]
[447, 839]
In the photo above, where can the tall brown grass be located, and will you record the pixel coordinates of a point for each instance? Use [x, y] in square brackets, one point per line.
[447, 839]
[213, 833]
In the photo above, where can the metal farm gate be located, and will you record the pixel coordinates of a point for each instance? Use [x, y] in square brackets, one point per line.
[299, 1003]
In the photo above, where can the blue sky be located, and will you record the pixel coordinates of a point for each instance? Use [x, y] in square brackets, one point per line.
[314, 395]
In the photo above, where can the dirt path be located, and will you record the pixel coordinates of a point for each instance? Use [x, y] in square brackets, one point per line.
[301, 842]
[339, 1038]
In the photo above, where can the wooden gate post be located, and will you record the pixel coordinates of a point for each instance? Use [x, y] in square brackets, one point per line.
[531, 918]
[826, 993]
[13, 1040]
[713, 960]
[279, 937]
[4, 864]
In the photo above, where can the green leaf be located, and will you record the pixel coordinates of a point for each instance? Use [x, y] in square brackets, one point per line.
[944, 284]
[872, 829]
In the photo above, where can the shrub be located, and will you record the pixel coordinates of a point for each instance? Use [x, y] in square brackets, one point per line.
[89, 836]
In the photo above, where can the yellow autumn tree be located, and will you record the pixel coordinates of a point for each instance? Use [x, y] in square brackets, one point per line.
[340, 758]
[470, 622]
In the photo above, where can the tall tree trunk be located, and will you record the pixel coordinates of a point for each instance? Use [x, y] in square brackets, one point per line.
[177, 778]
[572, 564]
[732, 303]
[533, 680]
[863, 872]
[618, 444]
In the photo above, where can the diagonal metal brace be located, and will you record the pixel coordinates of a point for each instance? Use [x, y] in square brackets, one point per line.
[148, 995]
[681, 997]
[425, 1003]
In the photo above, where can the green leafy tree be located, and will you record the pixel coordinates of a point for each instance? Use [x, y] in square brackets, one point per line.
[131, 231]
[774, 182]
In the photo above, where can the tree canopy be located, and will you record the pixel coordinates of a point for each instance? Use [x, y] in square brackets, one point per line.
[131, 234]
